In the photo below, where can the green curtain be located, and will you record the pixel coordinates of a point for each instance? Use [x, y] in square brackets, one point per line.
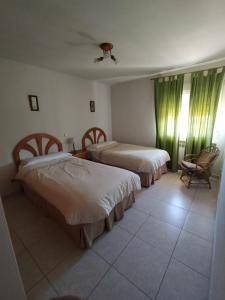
[168, 97]
[204, 98]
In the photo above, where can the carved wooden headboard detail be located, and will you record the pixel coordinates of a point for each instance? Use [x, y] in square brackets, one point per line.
[94, 135]
[24, 144]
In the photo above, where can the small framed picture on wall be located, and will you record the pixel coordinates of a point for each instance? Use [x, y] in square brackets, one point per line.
[33, 102]
[92, 106]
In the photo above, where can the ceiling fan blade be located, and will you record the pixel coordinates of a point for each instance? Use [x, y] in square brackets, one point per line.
[80, 44]
[87, 36]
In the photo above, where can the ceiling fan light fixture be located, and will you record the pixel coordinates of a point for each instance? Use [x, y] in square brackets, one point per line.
[106, 49]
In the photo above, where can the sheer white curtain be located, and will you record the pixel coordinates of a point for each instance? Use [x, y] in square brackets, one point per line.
[219, 132]
[183, 120]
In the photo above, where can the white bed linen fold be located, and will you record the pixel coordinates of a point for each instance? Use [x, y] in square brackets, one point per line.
[131, 157]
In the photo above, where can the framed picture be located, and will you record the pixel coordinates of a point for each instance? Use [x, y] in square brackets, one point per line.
[33, 102]
[92, 106]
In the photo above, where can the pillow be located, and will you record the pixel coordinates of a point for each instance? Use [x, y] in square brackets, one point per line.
[43, 158]
[190, 165]
[102, 145]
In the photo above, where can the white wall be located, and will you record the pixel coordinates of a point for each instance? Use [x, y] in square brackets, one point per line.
[102, 96]
[64, 108]
[217, 286]
[133, 112]
[11, 286]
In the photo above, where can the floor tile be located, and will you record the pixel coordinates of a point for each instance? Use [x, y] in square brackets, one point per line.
[199, 225]
[78, 277]
[41, 291]
[110, 245]
[169, 213]
[205, 207]
[114, 286]
[15, 202]
[181, 283]
[145, 204]
[159, 234]
[168, 179]
[17, 243]
[42, 227]
[52, 249]
[20, 212]
[194, 252]
[207, 194]
[29, 271]
[132, 220]
[156, 218]
[144, 265]
[182, 199]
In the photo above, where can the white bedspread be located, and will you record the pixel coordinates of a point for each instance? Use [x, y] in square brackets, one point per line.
[83, 191]
[131, 157]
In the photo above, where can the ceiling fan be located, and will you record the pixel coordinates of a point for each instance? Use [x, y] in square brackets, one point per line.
[106, 47]
[107, 53]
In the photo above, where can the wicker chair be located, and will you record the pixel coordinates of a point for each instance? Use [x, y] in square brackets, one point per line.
[196, 167]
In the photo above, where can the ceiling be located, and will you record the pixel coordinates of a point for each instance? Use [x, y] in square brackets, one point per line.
[148, 35]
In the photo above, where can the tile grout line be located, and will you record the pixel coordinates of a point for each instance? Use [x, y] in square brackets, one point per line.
[100, 280]
[198, 236]
[188, 212]
[34, 261]
[171, 257]
[201, 274]
[112, 264]
[135, 236]
[44, 274]
[137, 287]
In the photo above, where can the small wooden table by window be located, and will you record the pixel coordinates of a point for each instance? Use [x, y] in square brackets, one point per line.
[80, 153]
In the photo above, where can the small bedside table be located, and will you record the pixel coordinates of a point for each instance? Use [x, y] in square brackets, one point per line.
[80, 153]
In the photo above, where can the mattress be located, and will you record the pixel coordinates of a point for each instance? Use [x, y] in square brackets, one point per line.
[82, 191]
[139, 159]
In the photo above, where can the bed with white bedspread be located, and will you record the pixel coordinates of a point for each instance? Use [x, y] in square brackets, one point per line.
[148, 162]
[84, 196]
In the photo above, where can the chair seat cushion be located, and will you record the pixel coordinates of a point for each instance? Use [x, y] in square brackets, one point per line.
[189, 165]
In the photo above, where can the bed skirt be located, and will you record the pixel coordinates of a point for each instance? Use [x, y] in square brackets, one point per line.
[82, 234]
[147, 178]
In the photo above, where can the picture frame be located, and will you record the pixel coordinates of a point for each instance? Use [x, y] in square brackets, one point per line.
[92, 106]
[33, 102]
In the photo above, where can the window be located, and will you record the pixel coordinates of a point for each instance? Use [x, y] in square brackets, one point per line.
[183, 123]
[219, 130]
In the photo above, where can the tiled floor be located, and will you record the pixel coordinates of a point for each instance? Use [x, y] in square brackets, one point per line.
[161, 249]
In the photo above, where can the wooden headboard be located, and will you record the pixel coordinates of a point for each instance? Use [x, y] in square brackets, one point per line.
[41, 149]
[93, 135]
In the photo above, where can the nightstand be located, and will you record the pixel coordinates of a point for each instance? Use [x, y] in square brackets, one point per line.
[80, 153]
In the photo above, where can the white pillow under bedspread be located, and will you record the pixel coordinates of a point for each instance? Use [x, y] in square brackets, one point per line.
[131, 157]
[44, 158]
[101, 146]
[83, 191]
